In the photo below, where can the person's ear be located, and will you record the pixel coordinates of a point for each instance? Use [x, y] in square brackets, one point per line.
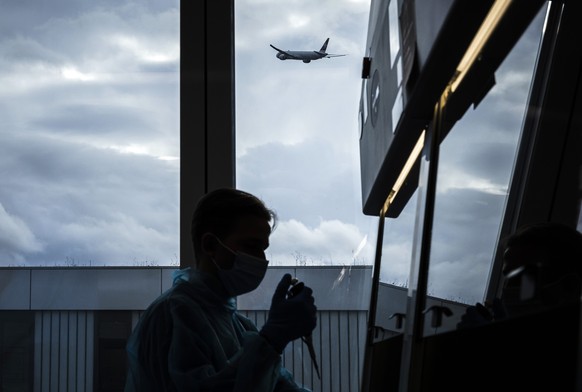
[208, 243]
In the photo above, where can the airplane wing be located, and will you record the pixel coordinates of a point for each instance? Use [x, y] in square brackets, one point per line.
[325, 55]
[289, 55]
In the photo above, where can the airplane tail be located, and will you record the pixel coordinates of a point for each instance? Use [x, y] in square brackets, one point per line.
[324, 47]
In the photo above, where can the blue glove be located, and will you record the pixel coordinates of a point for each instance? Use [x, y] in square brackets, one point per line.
[290, 316]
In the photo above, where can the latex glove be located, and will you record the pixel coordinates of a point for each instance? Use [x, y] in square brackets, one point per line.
[289, 317]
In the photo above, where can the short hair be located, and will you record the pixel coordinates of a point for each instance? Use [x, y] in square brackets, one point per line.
[560, 244]
[219, 210]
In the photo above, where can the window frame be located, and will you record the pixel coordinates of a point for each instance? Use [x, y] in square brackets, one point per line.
[207, 118]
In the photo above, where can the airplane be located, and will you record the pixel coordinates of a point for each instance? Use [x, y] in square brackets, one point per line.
[305, 55]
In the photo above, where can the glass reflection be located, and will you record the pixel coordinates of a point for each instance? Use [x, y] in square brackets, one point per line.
[476, 162]
[397, 245]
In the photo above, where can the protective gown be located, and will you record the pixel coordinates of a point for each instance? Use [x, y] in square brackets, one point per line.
[192, 339]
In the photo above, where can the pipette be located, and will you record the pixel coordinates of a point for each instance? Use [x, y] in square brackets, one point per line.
[308, 339]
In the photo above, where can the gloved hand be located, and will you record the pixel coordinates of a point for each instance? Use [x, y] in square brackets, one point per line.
[289, 317]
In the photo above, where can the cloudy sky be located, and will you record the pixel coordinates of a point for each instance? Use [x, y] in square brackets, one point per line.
[297, 125]
[89, 159]
[89, 126]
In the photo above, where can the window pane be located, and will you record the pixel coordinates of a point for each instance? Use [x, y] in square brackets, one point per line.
[90, 132]
[297, 127]
[398, 244]
[476, 162]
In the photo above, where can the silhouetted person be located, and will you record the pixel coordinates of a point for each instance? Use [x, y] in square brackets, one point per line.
[542, 267]
[192, 338]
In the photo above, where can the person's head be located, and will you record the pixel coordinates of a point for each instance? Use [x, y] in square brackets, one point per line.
[229, 220]
[544, 261]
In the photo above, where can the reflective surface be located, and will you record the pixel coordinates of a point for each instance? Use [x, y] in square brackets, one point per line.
[397, 246]
[476, 162]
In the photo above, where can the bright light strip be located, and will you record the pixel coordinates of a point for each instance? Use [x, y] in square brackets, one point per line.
[489, 24]
[414, 154]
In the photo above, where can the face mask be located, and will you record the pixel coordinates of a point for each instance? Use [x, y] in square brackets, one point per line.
[245, 275]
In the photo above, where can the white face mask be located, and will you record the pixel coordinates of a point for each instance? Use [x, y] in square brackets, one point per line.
[245, 275]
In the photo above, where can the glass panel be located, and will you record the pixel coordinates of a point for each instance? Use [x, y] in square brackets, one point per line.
[297, 133]
[90, 132]
[397, 246]
[476, 162]
[297, 127]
